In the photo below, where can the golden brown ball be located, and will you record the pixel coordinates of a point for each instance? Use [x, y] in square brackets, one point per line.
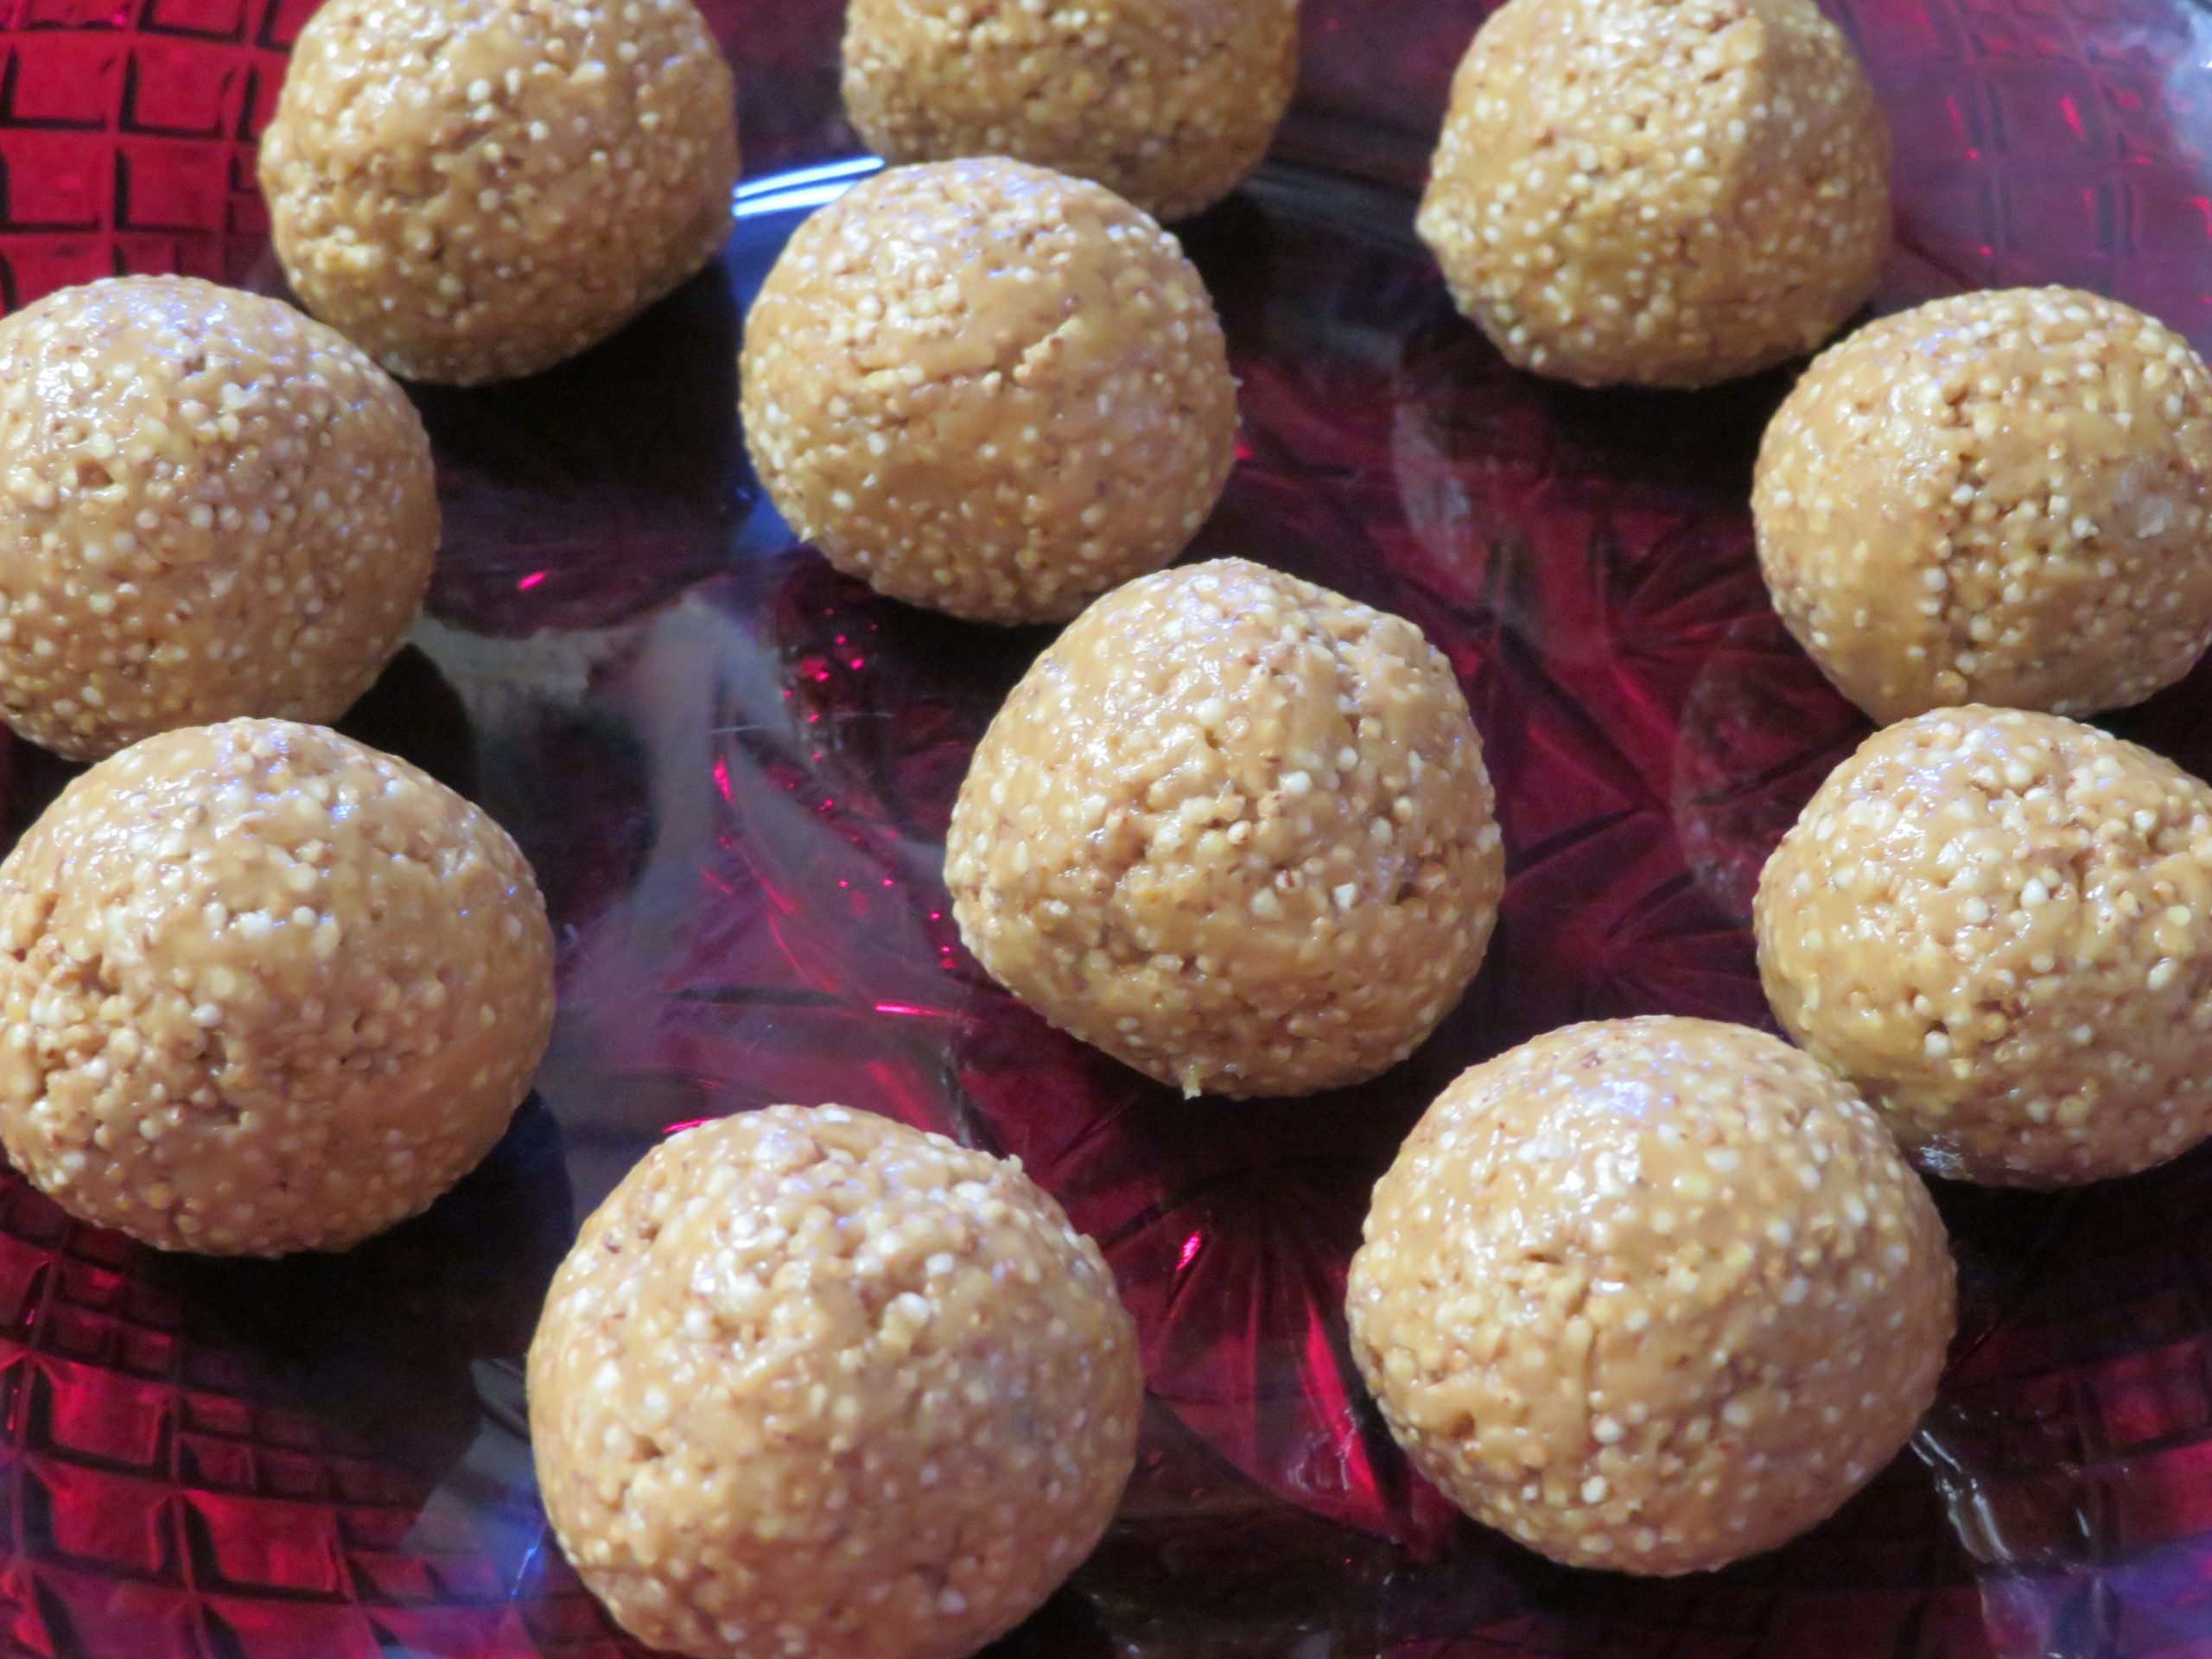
[1998, 497]
[1998, 924]
[814, 1382]
[1650, 193]
[265, 988]
[475, 189]
[1167, 102]
[988, 388]
[1235, 829]
[1650, 1294]
[210, 505]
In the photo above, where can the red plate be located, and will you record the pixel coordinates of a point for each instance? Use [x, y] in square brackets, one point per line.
[733, 769]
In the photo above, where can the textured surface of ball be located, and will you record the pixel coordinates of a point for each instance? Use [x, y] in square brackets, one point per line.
[1235, 830]
[210, 506]
[1650, 1294]
[1646, 192]
[1999, 498]
[476, 189]
[815, 1383]
[1998, 924]
[1170, 103]
[989, 389]
[265, 990]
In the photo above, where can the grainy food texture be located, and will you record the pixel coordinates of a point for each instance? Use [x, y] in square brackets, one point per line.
[815, 1383]
[1997, 925]
[1235, 830]
[1650, 1294]
[1170, 103]
[1663, 193]
[1998, 497]
[985, 388]
[474, 190]
[210, 506]
[264, 989]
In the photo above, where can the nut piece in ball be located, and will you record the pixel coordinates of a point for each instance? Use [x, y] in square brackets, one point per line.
[815, 1383]
[1646, 192]
[988, 388]
[1168, 103]
[1997, 925]
[475, 189]
[210, 505]
[1650, 1294]
[1999, 498]
[1235, 830]
[266, 989]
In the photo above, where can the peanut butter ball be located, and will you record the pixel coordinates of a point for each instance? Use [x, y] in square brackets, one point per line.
[814, 1382]
[1999, 926]
[1650, 1294]
[1999, 498]
[1169, 103]
[988, 388]
[475, 189]
[1649, 193]
[210, 505]
[264, 989]
[1235, 829]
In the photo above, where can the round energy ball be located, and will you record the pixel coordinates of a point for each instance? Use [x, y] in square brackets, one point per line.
[988, 388]
[476, 189]
[1998, 497]
[1650, 1294]
[815, 1383]
[265, 990]
[1235, 829]
[210, 505]
[1167, 103]
[1645, 192]
[1999, 926]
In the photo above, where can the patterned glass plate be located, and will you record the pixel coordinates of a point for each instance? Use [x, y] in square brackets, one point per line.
[733, 768]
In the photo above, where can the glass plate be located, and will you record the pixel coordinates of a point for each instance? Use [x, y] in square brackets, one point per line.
[733, 770]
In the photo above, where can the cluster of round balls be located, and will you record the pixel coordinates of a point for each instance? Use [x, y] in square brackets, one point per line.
[475, 189]
[1166, 103]
[1993, 923]
[1235, 829]
[1666, 192]
[2000, 498]
[813, 1382]
[210, 505]
[986, 388]
[264, 989]
[1652, 1294]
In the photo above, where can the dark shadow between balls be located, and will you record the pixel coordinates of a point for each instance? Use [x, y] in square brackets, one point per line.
[378, 1341]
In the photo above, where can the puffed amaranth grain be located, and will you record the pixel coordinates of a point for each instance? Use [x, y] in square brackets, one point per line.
[988, 388]
[264, 989]
[1998, 924]
[210, 506]
[1235, 830]
[1650, 1294]
[475, 189]
[814, 1382]
[1650, 193]
[1168, 103]
[1998, 497]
